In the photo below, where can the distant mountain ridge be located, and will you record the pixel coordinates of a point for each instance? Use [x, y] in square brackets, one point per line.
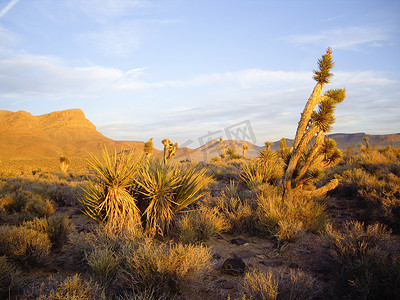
[70, 133]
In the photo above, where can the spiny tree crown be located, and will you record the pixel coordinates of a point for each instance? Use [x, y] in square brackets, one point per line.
[325, 65]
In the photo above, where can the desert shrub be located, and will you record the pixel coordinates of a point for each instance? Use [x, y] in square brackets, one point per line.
[231, 191]
[380, 192]
[266, 169]
[162, 267]
[166, 188]
[31, 203]
[57, 227]
[39, 207]
[107, 199]
[261, 286]
[24, 244]
[58, 230]
[200, 225]
[281, 283]
[74, 288]
[104, 264]
[286, 218]
[365, 269]
[8, 276]
[225, 170]
[76, 250]
[237, 212]
[146, 294]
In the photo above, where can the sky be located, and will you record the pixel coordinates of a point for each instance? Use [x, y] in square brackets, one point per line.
[194, 70]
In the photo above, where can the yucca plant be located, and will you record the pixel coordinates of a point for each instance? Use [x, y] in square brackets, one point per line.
[166, 188]
[106, 199]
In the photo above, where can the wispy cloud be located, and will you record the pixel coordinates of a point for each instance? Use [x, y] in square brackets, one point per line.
[7, 7]
[350, 38]
[116, 40]
[101, 9]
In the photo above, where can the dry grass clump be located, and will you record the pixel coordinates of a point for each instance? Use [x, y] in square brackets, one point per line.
[104, 264]
[32, 204]
[287, 218]
[164, 268]
[266, 169]
[24, 245]
[238, 213]
[73, 288]
[281, 283]
[57, 227]
[201, 225]
[225, 169]
[378, 188]
[365, 269]
[8, 276]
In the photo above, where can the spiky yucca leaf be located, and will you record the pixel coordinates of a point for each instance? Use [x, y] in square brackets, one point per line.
[108, 200]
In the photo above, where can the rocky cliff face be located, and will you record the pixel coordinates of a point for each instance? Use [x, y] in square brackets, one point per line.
[68, 132]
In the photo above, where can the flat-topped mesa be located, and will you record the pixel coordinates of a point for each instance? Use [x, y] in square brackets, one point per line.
[67, 119]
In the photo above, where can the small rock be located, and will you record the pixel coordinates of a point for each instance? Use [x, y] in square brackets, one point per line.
[239, 241]
[225, 284]
[233, 266]
[271, 263]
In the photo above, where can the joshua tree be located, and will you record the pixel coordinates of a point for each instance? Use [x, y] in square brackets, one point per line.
[245, 148]
[268, 145]
[366, 147]
[169, 149]
[282, 144]
[148, 147]
[305, 164]
[64, 163]
[221, 141]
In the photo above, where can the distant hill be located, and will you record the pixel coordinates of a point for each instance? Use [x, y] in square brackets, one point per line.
[68, 132]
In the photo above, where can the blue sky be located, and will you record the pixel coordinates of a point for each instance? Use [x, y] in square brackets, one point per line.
[185, 68]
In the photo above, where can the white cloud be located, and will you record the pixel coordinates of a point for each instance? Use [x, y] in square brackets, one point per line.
[7, 7]
[350, 38]
[27, 74]
[116, 40]
[100, 9]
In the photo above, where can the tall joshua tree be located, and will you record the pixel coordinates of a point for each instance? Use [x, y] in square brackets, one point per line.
[307, 160]
[169, 149]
